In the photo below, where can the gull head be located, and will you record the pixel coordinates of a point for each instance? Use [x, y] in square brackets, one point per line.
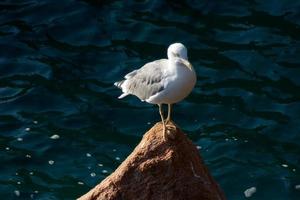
[177, 50]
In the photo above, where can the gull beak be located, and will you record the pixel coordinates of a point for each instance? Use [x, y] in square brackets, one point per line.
[187, 64]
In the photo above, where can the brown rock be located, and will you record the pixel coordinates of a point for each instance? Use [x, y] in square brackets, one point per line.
[159, 170]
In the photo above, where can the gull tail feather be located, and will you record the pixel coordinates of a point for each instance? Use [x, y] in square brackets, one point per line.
[119, 84]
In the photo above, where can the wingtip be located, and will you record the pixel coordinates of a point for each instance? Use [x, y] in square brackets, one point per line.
[122, 96]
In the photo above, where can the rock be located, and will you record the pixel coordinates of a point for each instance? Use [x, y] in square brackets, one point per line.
[159, 170]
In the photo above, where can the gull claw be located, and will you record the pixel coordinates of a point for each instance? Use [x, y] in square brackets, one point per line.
[171, 127]
[168, 131]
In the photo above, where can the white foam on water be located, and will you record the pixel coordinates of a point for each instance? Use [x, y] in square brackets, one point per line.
[55, 137]
[51, 162]
[249, 192]
[88, 155]
[17, 193]
[93, 174]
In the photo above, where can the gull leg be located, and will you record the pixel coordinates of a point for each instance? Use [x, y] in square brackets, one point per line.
[171, 126]
[169, 113]
[163, 121]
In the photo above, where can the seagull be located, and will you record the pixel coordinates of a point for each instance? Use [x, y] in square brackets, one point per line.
[164, 81]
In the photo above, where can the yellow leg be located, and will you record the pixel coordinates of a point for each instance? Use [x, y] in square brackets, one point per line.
[163, 121]
[171, 127]
[169, 113]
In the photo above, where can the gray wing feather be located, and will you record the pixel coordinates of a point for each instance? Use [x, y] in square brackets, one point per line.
[146, 81]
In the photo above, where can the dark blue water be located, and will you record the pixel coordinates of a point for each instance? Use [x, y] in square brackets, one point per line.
[58, 62]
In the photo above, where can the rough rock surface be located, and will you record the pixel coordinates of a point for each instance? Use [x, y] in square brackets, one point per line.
[159, 170]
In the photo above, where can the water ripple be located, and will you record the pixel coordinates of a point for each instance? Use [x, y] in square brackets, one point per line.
[58, 63]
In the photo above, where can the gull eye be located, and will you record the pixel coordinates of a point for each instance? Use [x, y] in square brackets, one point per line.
[175, 54]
